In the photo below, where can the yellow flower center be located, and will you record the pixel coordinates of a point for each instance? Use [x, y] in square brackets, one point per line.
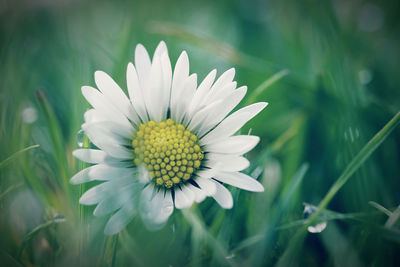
[171, 154]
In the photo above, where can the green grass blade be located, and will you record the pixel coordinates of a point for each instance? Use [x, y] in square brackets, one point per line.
[393, 218]
[290, 255]
[216, 47]
[265, 85]
[35, 231]
[55, 133]
[10, 189]
[16, 154]
[358, 160]
[380, 208]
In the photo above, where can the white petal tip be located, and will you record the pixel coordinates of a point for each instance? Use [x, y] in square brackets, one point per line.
[108, 231]
[73, 181]
[258, 187]
[76, 152]
[139, 46]
[85, 89]
[228, 207]
[84, 201]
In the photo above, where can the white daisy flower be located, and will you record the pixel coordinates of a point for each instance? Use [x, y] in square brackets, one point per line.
[171, 143]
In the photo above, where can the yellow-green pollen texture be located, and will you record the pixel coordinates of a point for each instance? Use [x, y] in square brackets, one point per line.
[169, 151]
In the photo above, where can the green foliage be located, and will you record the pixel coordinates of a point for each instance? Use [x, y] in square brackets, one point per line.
[329, 70]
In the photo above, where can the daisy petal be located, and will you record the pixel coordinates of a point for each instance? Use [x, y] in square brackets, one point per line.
[232, 123]
[100, 172]
[167, 77]
[181, 72]
[199, 195]
[222, 109]
[238, 144]
[222, 81]
[223, 196]
[229, 163]
[188, 91]
[115, 202]
[115, 128]
[102, 131]
[115, 95]
[239, 180]
[113, 149]
[161, 49]
[143, 64]
[221, 93]
[183, 199]
[154, 94]
[101, 104]
[120, 219]
[201, 92]
[90, 155]
[135, 92]
[92, 116]
[155, 210]
[207, 185]
[99, 192]
[200, 117]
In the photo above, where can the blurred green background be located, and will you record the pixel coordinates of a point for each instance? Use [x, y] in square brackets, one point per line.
[337, 84]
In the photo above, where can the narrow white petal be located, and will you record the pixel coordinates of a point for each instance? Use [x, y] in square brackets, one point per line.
[199, 195]
[107, 143]
[118, 163]
[200, 117]
[220, 111]
[225, 78]
[181, 72]
[154, 94]
[105, 108]
[189, 194]
[115, 202]
[135, 92]
[232, 123]
[182, 200]
[239, 180]
[206, 173]
[115, 95]
[188, 91]
[115, 128]
[207, 185]
[167, 79]
[102, 191]
[222, 81]
[161, 49]
[101, 172]
[201, 92]
[120, 219]
[220, 93]
[143, 64]
[102, 131]
[90, 155]
[238, 144]
[92, 115]
[155, 209]
[223, 196]
[229, 163]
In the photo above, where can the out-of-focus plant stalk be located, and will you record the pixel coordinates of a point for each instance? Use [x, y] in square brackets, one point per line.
[16, 154]
[57, 142]
[265, 85]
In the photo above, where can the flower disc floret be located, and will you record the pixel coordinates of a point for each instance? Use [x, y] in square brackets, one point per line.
[170, 152]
